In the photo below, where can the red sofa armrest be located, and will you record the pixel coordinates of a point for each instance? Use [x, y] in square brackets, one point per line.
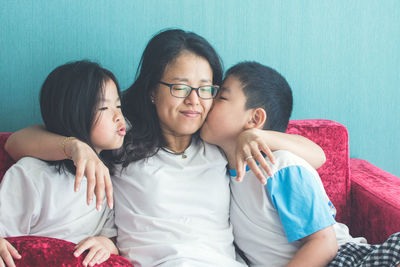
[375, 204]
[5, 160]
[333, 138]
[45, 251]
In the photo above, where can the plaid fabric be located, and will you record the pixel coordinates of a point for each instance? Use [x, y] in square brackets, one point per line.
[354, 255]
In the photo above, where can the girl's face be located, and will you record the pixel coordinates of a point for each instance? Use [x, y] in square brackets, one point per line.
[228, 117]
[183, 116]
[108, 129]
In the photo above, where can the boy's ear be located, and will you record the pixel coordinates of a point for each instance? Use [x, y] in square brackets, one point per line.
[257, 119]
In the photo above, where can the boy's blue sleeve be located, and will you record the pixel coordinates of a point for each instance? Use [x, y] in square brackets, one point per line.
[302, 205]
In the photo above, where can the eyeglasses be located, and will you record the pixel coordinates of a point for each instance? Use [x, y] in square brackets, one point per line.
[183, 90]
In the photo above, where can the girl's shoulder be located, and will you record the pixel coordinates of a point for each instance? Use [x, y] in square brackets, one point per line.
[34, 168]
[31, 164]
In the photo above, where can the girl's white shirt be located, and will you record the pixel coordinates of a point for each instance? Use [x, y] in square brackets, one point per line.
[35, 199]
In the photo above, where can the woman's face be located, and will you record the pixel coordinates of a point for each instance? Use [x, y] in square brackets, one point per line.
[183, 116]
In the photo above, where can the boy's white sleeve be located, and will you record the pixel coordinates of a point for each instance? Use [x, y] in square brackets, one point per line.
[109, 229]
[18, 202]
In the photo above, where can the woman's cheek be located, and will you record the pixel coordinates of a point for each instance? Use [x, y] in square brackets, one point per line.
[206, 109]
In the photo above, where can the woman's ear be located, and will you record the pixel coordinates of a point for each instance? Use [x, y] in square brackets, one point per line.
[152, 97]
[257, 119]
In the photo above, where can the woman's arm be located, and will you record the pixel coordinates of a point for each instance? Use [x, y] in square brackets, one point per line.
[35, 141]
[251, 142]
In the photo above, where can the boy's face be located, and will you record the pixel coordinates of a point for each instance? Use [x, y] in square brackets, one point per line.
[228, 116]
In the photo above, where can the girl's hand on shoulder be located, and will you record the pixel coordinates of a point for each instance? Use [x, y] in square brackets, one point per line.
[7, 253]
[88, 164]
[250, 144]
[100, 249]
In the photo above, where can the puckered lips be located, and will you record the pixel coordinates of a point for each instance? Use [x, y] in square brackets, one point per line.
[121, 130]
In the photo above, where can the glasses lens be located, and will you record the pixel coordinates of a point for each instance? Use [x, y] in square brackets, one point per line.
[208, 91]
[180, 90]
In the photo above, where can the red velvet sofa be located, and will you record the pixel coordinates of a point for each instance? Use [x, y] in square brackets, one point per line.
[367, 198]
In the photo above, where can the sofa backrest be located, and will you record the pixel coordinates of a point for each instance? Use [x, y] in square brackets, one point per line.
[5, 159]
[333, 138]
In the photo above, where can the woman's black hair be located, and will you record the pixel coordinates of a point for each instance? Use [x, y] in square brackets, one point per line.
[146, 138]
[265, 88]
[68, 100]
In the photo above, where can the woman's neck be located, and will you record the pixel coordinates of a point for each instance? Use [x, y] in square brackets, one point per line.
[177, 144]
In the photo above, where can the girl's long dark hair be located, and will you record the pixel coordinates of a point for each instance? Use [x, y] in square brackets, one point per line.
[145, 137]
[68, 100]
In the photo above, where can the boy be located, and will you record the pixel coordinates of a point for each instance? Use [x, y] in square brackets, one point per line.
[289, 221]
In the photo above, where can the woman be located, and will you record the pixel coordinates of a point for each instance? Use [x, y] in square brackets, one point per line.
[172, 196]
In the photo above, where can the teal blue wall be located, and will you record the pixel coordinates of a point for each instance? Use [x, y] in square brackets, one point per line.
[342, 58]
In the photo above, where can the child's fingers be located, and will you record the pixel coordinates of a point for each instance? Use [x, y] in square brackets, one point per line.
[6, 259]
[109, 190]
[105, 257]
[242, 155]
[90, 255]
[256, 170]
[267, 151]
[13, 251]
[239, 168]
[261, 160]
[100, 256]
[7, 253]
[256, 148]
[82, 246]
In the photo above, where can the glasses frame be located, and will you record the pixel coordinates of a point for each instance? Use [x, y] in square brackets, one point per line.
[170, 85]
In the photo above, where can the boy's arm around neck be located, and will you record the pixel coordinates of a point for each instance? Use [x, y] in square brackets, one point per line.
[251, 141]
[297, 144]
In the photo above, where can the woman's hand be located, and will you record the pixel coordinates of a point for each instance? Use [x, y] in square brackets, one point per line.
[250, 144]
[100, 249]
[88, 163]
[36, 141]
[7, 253]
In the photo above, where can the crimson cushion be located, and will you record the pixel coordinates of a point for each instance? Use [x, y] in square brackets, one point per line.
[45, 251]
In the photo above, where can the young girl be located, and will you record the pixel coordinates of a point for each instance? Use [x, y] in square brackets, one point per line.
[79, 99]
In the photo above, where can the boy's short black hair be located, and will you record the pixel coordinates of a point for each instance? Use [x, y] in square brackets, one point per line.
[265, 88]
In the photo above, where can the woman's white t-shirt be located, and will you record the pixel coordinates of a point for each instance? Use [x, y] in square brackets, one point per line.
[173, 210]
